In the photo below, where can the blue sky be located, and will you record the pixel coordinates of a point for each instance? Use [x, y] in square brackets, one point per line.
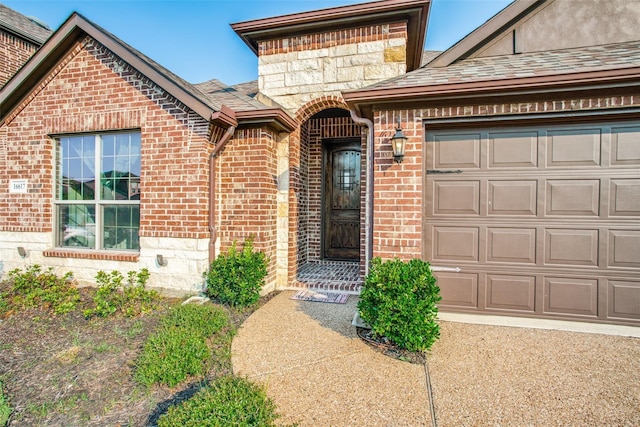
[193, 38]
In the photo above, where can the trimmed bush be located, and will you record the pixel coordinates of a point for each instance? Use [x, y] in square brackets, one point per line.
[170, 356]
[236, 277]
[178, 349]
[228, 402]
[33, 288]
[399, 302]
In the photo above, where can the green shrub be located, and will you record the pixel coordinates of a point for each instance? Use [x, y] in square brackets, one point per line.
[207, 319]
[5, 409]
[229, 401]
[178, 349]
[399, 302]
[36, 288]
[171, 355]
[235, 277]
[131, 298]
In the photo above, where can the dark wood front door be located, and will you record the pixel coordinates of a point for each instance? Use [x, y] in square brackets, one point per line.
[341, 221]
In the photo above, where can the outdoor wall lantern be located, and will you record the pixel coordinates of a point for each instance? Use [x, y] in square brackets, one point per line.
[161, 261]
[22, 251]
[397, 143]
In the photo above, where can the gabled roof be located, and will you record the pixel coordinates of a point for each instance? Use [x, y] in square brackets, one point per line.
[415, 12]
[250, 106]
[22, 26]
[77, 27]
[486, 32]
[618, 62]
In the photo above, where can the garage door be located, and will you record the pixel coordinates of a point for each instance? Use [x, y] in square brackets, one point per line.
[537, 222]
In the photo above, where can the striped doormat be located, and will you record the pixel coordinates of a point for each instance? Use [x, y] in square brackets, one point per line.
[308, 295]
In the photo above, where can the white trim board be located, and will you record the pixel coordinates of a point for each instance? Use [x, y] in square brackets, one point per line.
[560, 325]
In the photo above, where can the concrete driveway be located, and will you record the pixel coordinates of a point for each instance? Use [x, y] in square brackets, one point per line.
[320, 373]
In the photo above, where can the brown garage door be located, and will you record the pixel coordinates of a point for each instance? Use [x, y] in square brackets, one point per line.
[541, 222]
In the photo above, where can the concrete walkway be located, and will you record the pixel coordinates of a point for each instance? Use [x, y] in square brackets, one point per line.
[319, 373]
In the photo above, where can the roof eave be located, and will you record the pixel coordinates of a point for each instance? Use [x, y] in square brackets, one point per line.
[417, 11]
[359, 100]
[22, 34]
[225, 117]
[275, 117]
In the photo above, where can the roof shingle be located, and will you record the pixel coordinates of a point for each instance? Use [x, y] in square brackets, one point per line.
[536, 64]
[23, 26]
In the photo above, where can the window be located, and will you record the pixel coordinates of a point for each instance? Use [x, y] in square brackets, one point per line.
[98, 191]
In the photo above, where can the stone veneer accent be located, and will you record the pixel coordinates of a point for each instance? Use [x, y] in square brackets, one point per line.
[295, 70]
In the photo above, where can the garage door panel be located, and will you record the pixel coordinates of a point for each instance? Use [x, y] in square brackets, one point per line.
[513, 197]
[458, 289]
[624, 299]
[541, 220]
[624, 248]
[455, 243]
[456, 197]
[579, 147]
[457, 151]
[625, 197]
[513, 149]
[579, 197]
[571, 247]
[625, 146]
[506, 292]
[513, 245]
[578, 296]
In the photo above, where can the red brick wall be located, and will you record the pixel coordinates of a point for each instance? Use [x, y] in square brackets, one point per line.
[398, 188]
[333, 38]
[397, 216]
[91, 90]
[14, 52]
[246, 192]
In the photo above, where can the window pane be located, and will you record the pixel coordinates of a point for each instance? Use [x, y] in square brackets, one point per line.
[76, 226]
[76, 168]
[121, 225]
[121, 167]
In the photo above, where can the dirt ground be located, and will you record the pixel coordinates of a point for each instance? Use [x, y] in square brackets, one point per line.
[70, 371]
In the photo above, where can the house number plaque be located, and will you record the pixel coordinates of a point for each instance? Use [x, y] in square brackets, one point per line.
[18, 185]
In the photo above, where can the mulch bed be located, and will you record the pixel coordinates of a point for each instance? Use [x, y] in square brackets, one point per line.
[388, 348]
[70, 371]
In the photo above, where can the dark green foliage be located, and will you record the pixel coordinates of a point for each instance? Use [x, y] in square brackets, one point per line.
[130, 299]
[399, 302]
[228, 402]
[33, 288]
[235, 277]
[178, 349]
[171, 355]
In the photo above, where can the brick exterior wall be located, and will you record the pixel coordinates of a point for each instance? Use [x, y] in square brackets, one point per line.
[296, 70]
[14, 52]
[398, 188]
[91, 90]
[247, 191]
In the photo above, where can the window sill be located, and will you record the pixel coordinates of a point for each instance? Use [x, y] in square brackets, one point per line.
[98, 255]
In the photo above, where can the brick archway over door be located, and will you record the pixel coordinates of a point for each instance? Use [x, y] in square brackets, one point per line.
[322, 119]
